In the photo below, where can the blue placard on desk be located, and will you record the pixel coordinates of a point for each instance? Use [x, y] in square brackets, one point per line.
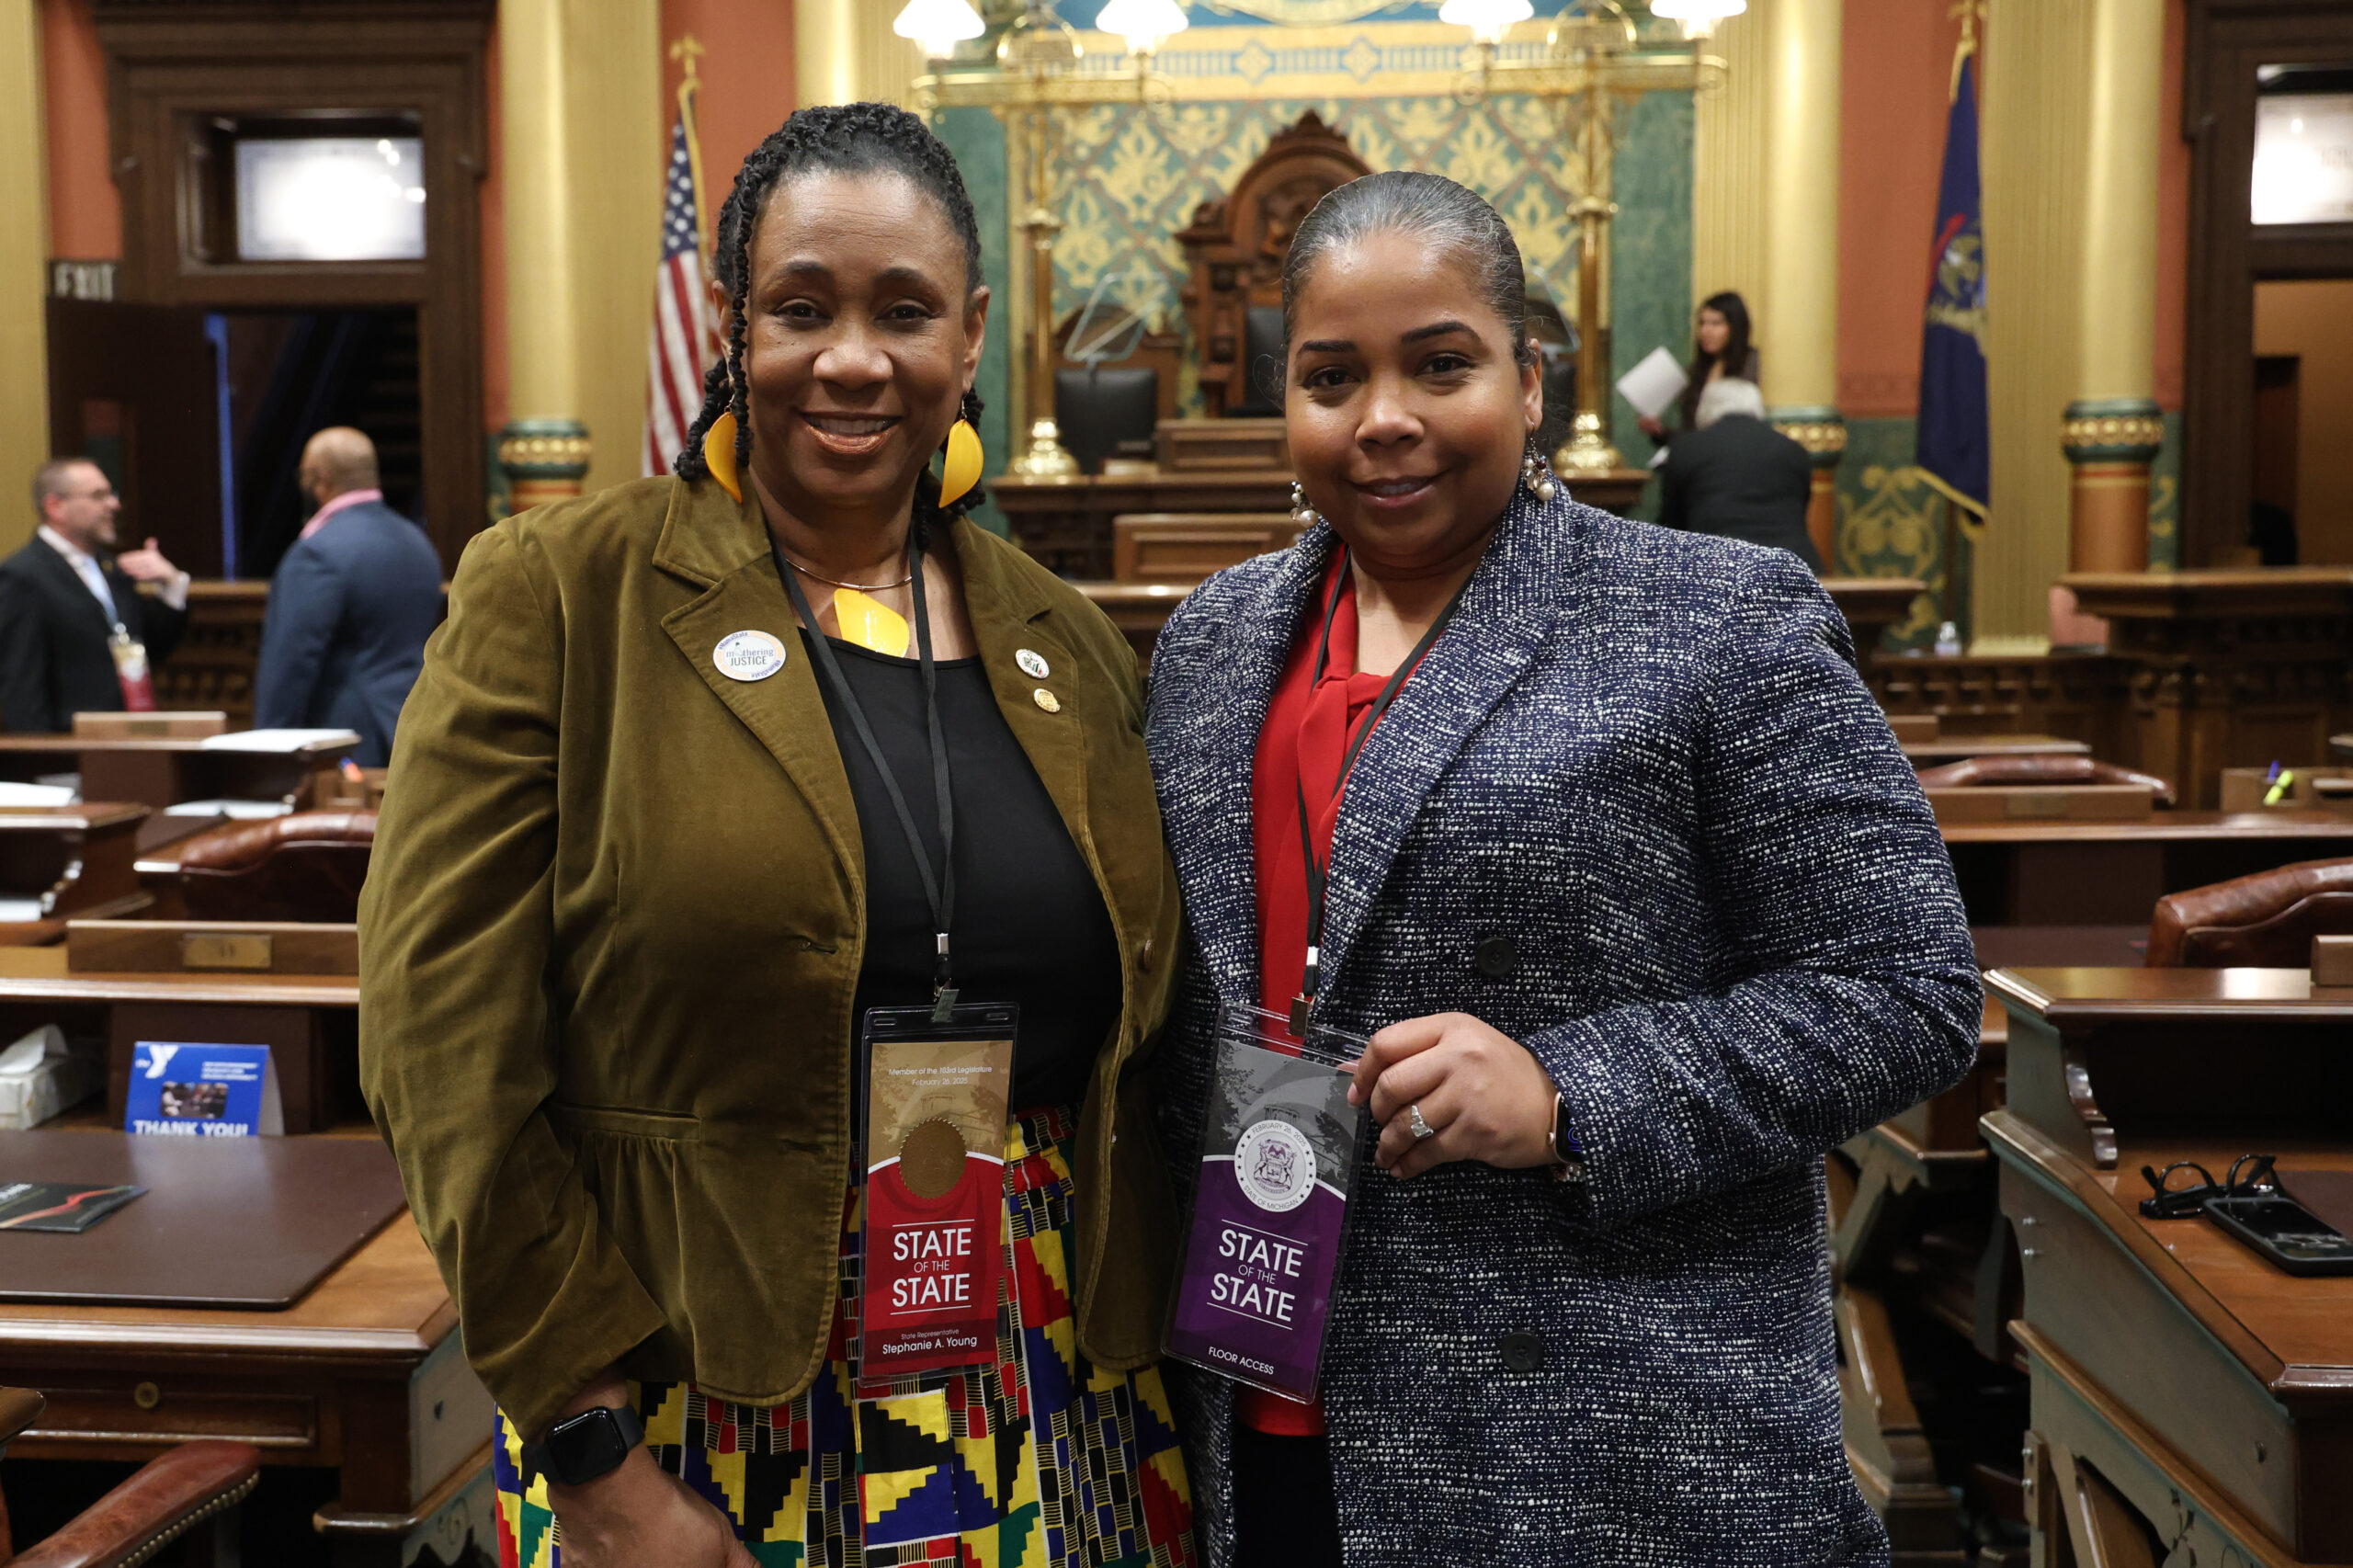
[185, 1090]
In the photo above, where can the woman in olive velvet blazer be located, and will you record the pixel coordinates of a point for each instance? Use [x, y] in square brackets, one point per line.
[632, 893]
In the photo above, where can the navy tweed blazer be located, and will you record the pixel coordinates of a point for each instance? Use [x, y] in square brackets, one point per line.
[1645, 757]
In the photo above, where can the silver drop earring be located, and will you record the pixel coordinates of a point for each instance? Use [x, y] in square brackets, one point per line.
[1536, 474]
[1301, 514]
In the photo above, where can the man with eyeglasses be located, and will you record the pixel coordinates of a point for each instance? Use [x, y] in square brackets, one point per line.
[76, 635]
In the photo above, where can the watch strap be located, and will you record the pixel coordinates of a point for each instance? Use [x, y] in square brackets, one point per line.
[552, 1460]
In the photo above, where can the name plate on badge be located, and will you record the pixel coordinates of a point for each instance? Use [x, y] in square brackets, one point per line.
[179, 1090]
[1270, 1205]
[934, 1251]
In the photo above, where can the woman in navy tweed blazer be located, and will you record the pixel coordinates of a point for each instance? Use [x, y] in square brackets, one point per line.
[1633, 845]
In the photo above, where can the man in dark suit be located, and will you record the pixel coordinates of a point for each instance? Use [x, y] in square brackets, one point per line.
[76, 635]
[350, 607]
[1736, 477]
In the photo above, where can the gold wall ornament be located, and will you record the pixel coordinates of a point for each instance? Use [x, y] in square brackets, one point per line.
[1036, 74]
[1590, 62]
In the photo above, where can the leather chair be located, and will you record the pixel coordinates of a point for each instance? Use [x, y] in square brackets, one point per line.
[305, 866]
[2264, 921]
[189, 1492]
[1988, 771]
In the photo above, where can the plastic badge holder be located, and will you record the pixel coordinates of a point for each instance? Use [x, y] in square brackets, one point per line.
[933, 1251]
[1279, 1162]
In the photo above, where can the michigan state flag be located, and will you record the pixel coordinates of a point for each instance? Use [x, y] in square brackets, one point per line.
[1952, 431]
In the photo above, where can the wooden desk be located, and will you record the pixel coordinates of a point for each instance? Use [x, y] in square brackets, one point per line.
[2091, 873]
[310, 1024]
[1926, 1281]
[161, 772]
[2210, 1393]
[1953, 748]
[365, 1373]
[1066, 523]
[64, 861]
[2230, 668]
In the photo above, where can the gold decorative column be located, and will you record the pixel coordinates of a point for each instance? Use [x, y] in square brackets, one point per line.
[1728, 167]
[2112, 430]
[1798, 340]
[2033, 110]
[582, 133]
[845, 52]
[23, 266]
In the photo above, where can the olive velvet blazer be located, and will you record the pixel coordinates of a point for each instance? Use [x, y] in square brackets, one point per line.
[613, 924]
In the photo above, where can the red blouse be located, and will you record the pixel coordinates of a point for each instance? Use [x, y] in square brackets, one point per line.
[1306, 733]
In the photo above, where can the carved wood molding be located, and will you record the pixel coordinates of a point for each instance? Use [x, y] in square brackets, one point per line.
[174, 69]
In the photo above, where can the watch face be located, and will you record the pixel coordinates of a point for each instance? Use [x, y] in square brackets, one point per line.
[585, 1446]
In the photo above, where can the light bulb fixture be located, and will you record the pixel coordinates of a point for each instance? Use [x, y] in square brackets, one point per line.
[1487, 19]
[1698, 18]
[1145, 24]
[938, 24]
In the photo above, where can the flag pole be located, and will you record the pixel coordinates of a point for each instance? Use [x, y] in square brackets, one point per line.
[686, 50]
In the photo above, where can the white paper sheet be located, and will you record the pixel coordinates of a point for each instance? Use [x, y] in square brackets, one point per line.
[35, 795]
[1655, 384]
[288, 740]
[238, 811]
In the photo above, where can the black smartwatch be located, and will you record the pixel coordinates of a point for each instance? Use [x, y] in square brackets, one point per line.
[581, 1448]
[1568, 1154]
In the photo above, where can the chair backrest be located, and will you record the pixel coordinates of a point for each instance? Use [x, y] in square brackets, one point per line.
[308, 866]
[1107, 412]
[1185, 547]
[2264, 921]
[1235, 248]
[1992, 771]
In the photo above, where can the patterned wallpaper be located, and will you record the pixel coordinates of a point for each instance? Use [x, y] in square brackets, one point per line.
[1128, 178]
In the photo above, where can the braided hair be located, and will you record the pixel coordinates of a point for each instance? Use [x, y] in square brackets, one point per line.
[833, 138]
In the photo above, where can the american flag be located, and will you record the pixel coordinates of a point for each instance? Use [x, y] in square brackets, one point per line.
[686, 339]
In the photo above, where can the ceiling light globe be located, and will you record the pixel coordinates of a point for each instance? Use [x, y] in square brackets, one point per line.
[938, 24]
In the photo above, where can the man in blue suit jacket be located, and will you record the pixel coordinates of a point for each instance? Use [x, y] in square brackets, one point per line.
[350, 607]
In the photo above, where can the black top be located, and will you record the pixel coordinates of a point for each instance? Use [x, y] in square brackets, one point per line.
[1740, 479]
[1029, 925]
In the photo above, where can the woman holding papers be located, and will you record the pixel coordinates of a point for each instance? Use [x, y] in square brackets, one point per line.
[739, 813]
[1719, 347]
[1595, 833]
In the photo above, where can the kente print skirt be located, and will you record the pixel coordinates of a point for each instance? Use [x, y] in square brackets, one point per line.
[1037, 1461]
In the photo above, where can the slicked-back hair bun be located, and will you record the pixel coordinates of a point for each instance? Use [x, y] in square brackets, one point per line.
[1406, 201]
[829, 139]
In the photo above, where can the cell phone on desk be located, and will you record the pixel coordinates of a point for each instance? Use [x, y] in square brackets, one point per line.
[2284, 1230]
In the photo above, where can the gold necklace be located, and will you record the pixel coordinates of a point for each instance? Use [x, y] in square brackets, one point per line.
[854, 587]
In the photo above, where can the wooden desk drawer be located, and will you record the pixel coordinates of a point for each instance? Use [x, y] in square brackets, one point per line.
[164, 1409]
[2099, 1308]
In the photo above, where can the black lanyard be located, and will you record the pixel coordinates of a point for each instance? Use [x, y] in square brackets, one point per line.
[938, 892]
[1315, 869]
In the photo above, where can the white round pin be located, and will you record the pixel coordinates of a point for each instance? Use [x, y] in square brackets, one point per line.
[1032, 663]
[748, 656]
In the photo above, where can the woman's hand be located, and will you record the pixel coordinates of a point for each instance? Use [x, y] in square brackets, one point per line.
[640, 1516]
[1486, 1095]
[1650, 427]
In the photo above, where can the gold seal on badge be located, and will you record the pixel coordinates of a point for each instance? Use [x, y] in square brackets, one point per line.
[931, 1158]
[1047, 701]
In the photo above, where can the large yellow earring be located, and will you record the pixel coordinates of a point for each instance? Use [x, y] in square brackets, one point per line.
[960, 470]
[719, 454]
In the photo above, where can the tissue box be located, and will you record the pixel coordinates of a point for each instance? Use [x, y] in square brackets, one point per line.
[40, 1077]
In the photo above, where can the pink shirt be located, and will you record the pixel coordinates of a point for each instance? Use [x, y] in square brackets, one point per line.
[349, 498]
